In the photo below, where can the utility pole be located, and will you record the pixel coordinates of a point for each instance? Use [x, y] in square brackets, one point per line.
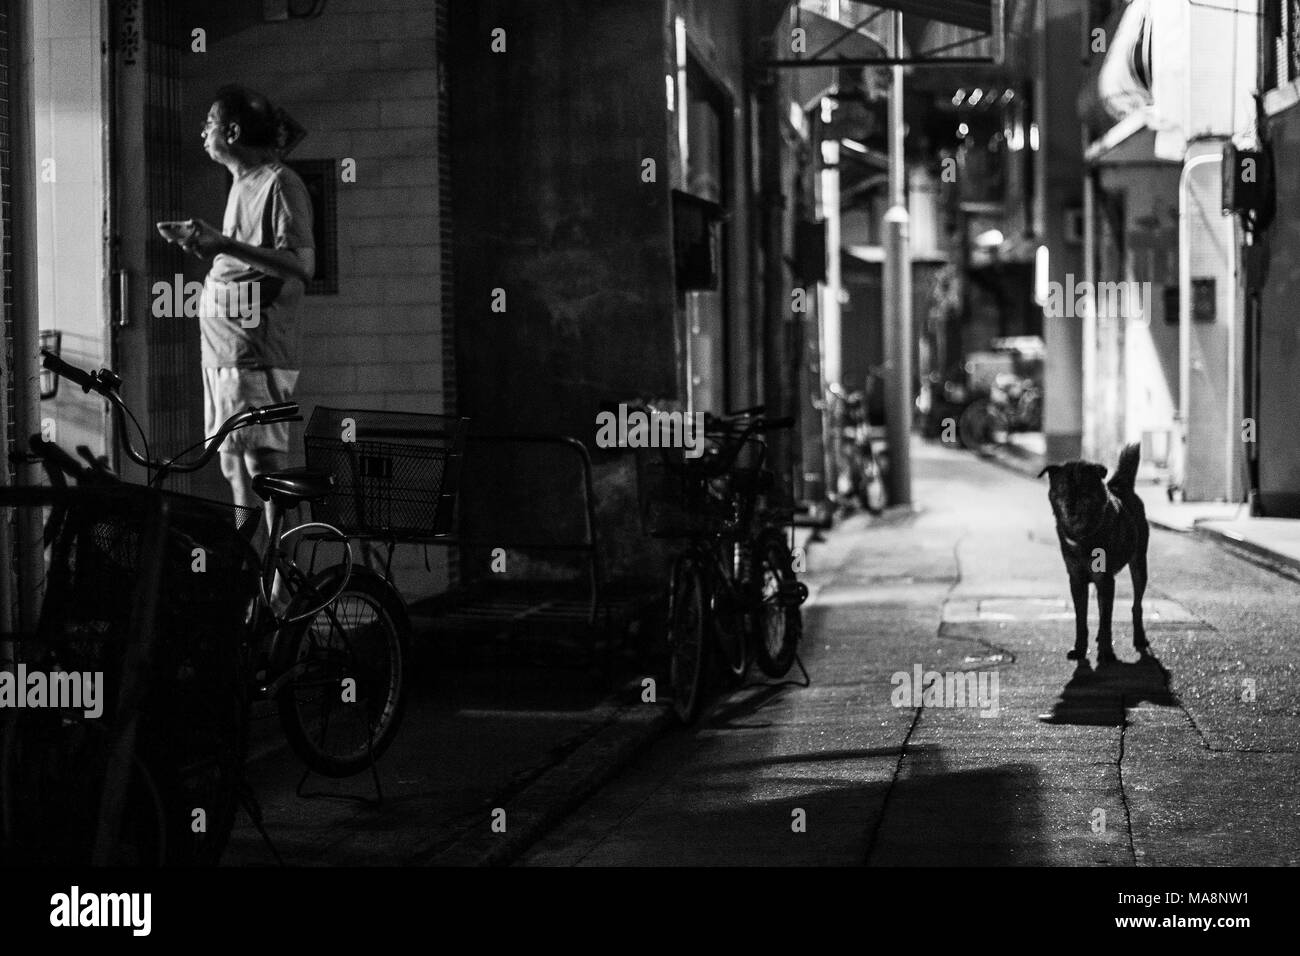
[898, 296]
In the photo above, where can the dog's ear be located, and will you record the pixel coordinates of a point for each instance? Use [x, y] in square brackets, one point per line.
[1098, 470]
[1049, 470]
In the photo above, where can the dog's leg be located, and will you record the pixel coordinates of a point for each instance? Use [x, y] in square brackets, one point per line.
[1105, 604]
[1138, 569]
[1079, 594]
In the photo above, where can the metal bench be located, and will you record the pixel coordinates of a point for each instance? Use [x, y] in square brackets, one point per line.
[530, 550]
[520, 508]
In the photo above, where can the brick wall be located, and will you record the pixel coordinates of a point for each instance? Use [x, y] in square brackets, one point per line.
[363, 80]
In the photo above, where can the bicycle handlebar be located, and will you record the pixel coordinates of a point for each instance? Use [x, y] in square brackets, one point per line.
[87, 381]
[743, 424]
[734, 432]
[279, 412]
[106, 383]
[65, 464]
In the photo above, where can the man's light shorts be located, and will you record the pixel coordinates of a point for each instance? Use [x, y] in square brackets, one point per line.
[230, 390]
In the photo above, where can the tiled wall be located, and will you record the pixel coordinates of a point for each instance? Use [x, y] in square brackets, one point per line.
[363, 80]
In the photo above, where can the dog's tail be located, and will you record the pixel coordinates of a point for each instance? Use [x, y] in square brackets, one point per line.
[1126, 471]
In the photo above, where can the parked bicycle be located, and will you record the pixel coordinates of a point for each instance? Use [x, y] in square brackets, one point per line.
[331, 650]
[859, 452]
[151, 773]
[734, 595]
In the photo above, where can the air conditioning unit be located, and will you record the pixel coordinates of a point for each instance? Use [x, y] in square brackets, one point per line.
[1247, 181]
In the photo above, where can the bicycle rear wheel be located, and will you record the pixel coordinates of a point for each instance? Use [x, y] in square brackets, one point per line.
[776, 619]
[688, 624]
[343, 705]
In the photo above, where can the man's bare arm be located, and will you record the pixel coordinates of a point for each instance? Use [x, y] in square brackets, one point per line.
[281, 263]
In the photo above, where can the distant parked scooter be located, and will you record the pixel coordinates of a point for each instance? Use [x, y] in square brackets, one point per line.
[1013, 404]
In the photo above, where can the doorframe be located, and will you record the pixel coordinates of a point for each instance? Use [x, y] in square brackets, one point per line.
[721, 95]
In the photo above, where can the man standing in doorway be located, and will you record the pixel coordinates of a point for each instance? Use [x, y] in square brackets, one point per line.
[261, 260]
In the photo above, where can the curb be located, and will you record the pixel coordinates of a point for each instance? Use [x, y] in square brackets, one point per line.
[1166, 526]
[1028, 468]
[1011, 461]
[1281, 564]
[558, 790]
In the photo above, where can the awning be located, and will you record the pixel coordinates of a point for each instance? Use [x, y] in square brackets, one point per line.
[1118, 84]
[971, 14]
[825, 34]
[937, 32]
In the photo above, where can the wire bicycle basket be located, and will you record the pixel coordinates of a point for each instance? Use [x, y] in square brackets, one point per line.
[396, 473]
[683, 497]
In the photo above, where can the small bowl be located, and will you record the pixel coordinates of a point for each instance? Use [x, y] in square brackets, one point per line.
[177, 231]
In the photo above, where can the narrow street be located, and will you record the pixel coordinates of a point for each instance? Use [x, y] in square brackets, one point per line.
[1122, 767]
[387, 386]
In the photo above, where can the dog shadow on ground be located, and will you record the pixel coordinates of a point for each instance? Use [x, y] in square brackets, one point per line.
[1099, 696]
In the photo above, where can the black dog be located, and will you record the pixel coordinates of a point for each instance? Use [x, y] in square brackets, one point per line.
[1102, 527]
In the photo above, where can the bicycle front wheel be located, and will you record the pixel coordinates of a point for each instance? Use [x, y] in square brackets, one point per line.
[342, 706]
[52, 780]
[687, 638]
[776, 619]
[731, 637]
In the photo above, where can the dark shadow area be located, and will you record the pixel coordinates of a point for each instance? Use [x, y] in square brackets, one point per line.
[1099, 696]
[487, 713]
[821, 756]
[937, 817]
[931, 816]
[733, 714]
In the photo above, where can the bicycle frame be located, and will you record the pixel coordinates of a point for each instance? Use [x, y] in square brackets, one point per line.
[723, 551]
[269, 627]
[266, 627]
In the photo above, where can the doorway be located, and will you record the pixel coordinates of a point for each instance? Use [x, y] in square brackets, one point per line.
[157, 356]
[706, 175]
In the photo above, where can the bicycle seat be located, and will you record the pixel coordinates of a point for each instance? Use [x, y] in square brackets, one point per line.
[293, 485]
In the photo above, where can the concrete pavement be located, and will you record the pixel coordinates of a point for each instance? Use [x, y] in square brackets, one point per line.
[531, 733]
[1188, 757]
[1159, 761]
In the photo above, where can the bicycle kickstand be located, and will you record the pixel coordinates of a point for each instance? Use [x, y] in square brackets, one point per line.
[248, 800]
[374, 775]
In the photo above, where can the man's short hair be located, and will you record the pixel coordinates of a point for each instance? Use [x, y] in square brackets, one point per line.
[259, 121]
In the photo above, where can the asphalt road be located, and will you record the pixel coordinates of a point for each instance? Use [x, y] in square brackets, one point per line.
[1185, 758]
